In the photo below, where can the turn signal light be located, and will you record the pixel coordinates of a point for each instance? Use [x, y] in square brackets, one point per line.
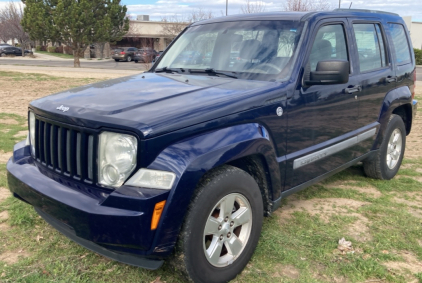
[158, 209]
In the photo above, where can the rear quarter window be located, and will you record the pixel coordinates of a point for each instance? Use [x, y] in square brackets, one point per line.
[400, 43]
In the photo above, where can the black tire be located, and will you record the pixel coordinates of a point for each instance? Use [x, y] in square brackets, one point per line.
[136, 61]
[376, 167]
[217, 188]
[117, 60]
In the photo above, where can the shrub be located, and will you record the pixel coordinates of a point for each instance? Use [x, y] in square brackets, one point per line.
[51, 49]
[59, 49]
[38, 48]
[43, 48]
[418, 56]
[68, 50]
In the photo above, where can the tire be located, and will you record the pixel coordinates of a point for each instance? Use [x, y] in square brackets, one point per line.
[117, 60]
[136, 61]
[386, 163]
[128, 59]
[224, 186]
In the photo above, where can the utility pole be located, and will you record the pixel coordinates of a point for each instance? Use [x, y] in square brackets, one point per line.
[227, 6]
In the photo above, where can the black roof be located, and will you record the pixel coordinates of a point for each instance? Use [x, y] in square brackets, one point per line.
[298, 16]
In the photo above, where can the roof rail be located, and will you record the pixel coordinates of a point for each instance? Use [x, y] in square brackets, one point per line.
[366, 11]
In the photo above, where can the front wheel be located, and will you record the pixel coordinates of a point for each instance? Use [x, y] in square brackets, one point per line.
[222, 227]
[386, 163]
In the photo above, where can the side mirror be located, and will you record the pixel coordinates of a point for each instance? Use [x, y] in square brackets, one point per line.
[330, 72]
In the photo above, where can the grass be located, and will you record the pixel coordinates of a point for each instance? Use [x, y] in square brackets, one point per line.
[301, 247]
[60, 55]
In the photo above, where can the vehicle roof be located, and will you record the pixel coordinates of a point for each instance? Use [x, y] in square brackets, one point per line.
[301, 16]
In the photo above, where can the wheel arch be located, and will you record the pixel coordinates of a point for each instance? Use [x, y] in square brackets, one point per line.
[246, 146]
[397, 101]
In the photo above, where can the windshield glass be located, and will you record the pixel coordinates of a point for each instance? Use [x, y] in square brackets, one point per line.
[259, 50]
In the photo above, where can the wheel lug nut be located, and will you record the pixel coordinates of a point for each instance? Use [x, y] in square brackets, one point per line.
[226, 219]
[229, 235]
[231, 224]
[221, 237]
[219, 227]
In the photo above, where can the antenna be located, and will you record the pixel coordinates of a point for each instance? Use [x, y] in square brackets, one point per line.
[350, 5]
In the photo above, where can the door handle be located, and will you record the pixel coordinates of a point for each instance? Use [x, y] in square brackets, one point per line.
[391, 79]
[353, 89]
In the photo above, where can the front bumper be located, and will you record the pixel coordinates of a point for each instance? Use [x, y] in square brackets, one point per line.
[99, 221]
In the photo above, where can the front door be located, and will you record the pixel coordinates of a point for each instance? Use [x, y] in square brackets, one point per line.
[322, 118]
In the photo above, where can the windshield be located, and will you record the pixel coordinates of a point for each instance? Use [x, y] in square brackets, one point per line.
[258, 50]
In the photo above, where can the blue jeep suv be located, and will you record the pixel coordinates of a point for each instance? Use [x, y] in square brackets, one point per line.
[185, 160]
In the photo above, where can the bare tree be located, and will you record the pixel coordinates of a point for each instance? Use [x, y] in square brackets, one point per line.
[307, 5]
[253, 7]
[10, 17]
[175, 24]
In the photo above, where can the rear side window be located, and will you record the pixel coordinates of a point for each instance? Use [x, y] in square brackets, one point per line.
[400, 42]
[329, 44]
[370, 44]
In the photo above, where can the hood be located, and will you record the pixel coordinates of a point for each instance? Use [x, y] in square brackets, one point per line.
[153, 103]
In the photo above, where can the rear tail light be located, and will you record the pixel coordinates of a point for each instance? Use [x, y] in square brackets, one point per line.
[122, 53]
[413, 89]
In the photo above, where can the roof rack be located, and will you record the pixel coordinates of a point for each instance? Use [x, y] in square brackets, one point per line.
[366, 11]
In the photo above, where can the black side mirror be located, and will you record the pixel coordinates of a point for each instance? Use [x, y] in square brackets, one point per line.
[330, 72]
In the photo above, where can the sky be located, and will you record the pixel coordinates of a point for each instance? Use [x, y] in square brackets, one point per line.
[160, 8]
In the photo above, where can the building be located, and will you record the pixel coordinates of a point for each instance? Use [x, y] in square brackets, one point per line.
[415, 30]
[145, 33]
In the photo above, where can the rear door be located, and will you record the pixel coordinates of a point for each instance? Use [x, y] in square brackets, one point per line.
[402, 58]
[322, 118]
[375, 73]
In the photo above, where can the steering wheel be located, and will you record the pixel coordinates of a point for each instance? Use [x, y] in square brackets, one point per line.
[264, 68]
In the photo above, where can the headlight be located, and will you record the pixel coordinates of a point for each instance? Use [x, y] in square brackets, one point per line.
[153, 179]
[117, 158]
[32, 132]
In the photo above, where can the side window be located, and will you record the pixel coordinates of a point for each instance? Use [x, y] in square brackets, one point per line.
[400, 42]
[329, 44]
[370, 44]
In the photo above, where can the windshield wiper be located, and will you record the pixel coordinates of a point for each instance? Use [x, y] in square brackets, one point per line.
[211, 71]
[169, 70]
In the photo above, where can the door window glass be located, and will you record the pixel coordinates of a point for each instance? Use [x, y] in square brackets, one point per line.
[329, 44]
[370, 47]
[400, 42]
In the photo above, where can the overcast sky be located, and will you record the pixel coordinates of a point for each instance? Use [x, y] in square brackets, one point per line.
[159, 8]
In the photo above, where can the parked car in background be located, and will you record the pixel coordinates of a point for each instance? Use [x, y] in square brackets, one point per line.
[158, 55]
[185, 160]
[124, 54]
[4, 44]
[145, 55]
[10, 50]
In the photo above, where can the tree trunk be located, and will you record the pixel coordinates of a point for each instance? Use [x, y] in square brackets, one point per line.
[76, 53]
[102, 45]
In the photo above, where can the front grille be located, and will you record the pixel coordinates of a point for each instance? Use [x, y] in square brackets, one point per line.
[68, 151]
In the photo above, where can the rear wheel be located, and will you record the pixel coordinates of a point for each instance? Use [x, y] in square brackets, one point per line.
[128, 59]
[222, 227]
[386, 163]
[117, 60]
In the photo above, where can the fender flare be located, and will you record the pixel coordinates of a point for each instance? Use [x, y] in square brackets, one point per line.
[392, 100]
[191, 158]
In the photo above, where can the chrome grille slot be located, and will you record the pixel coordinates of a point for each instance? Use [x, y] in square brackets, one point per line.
[65, 150]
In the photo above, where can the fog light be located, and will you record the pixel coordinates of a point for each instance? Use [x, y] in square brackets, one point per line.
[153, 179]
